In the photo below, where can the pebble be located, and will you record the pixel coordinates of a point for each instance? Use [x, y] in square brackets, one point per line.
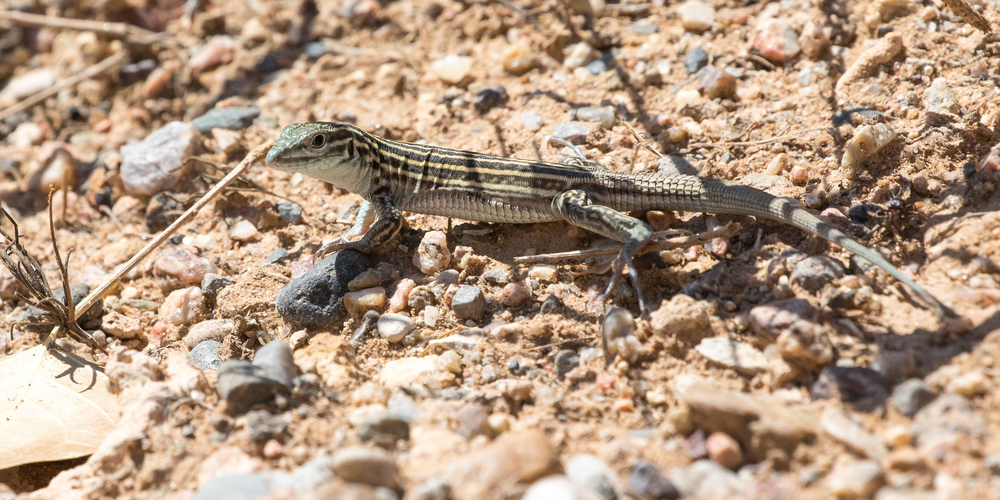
[468, 302]
[275, 256]
[432, 254]
[394, 327]
[212, 284]
[28, 84]
[216, 51]
[183, 307]
[516, 457]
[737, 355]
[645, 481]
[156, 163]
[367, 279]
[695, 59]
[573, 132]
[557, 488]
[814, 41]
[289, 212]
[362, 301]
[769, 320]
[212, 329]
[543, 272]
[453, 69]
[236, 487]
[597, 67]
[970, 385]
[243, 384]
[243, 231]
[227, 141]
[419, 298]
[866, 141]
[473, 421]
[552, 305]
[949, 422]
[157, 81]
[843, 428]
[675, 165]
[705, 478]
[566, 361]
[364, 329]
[316, 299]
[859, 479]
[815, 272]
[696, 16]
[724, 450]
[603, 115]
[776, 40]
[863, 388]
[401, 297]
[715, 83]
[404, 372]
[514, 295]
[362, 464]
[488, 99]
[205, 355]
[939, 98]
[591, 473]
[912, 395]
[431, 315]
[618, 333]
[531, 121]
[226, 118]
[578, 55]
[381, 427]
[78, 292]
[275, 358]
[518, 59]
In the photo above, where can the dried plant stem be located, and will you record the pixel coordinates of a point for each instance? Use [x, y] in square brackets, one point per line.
[90, 72]
[655, 245]
[255, 156]
[134, 34]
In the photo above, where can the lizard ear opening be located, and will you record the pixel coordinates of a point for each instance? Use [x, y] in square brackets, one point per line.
[352, 150]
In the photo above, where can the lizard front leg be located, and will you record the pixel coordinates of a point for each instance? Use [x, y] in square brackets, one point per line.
[577, 208]
[389, 222]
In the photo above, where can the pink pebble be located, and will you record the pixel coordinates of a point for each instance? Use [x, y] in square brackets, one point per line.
[776, 41]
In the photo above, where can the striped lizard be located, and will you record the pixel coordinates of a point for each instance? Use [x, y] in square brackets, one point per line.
[395, 176]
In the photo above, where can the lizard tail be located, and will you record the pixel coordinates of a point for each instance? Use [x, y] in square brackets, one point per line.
[726, 197]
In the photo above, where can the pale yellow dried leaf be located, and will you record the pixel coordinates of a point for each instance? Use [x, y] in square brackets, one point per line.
[55, 409]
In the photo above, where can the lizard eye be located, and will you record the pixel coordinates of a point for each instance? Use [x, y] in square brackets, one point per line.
[318, 141]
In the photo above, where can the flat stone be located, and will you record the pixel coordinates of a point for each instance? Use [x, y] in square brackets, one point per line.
[912, 395]
[696, 16]
[394, 327]
[573, 132]
[593, 474]
[603, 115]
[468, 302]
[705, 478]
[361, 464]
[732, 354]
[205, 355]
[863, 388]
[383, 428]
[212, 329]
[841, 427]
[243, 385]
[289, 212]
[513, 460]
[855, 479]
[646, 481]
[225, 118]
[156, 163]
[557, 488]
[770, 319]
[276, 359]
[939, 98]
[531, 121]
[815, 272]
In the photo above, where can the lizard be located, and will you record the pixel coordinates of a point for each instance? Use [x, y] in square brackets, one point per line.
[394, 176]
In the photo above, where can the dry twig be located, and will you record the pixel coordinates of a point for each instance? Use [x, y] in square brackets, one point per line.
[133, 34]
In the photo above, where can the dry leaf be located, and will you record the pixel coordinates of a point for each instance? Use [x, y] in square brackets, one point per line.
[53, 406]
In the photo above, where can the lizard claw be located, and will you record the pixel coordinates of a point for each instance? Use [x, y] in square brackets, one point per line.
[622, 262]
[331, 247]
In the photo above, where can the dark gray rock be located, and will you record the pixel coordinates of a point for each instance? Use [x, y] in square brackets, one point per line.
[565, 361]
[263, 425]
[276, 360]
[490, 98]
[243, 385]
[911, 396]
[645, 481]
[289, 212]
[552, 305]
[277, 255]
[695, 59]
[316, 299]
[78, 291]
[205, 355]
[815, 272]
[227, 118]
[468, 302]
[212, 284]
[365, 328]
[863, 388]
[156, 163]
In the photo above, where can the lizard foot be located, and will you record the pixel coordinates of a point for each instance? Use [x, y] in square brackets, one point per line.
[622, 262]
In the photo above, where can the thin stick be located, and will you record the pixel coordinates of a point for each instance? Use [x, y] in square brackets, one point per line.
[134, 34]
[88, 73]
[758, 142]
[726, 231]
[255, 156]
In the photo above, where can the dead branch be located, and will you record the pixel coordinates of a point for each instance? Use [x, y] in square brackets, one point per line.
[96, 69]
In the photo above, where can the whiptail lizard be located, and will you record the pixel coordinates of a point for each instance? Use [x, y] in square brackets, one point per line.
[392, 176]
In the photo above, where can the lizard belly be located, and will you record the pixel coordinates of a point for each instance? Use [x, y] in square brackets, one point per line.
[479, 207]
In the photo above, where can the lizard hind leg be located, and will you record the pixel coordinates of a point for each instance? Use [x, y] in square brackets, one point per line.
[578, 209]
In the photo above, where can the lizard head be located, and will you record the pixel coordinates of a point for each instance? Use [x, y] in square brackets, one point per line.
[337, 153]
